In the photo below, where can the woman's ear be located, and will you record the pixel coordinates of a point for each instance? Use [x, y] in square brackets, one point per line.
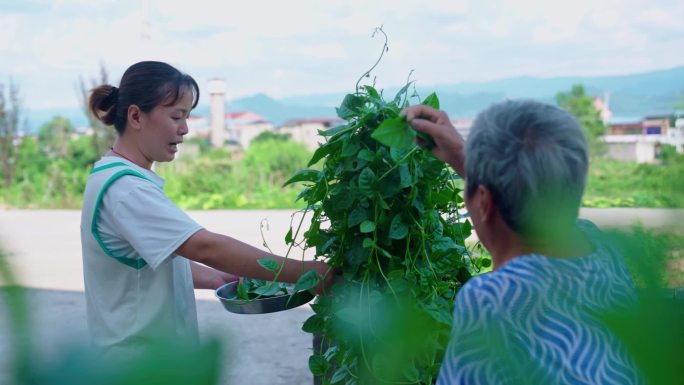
[485, 203]
[134, 116]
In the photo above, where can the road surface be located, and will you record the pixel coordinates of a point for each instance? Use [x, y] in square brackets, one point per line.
[270, 349]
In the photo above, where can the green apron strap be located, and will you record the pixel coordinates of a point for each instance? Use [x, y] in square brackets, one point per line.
[106, 166]
[134, 263]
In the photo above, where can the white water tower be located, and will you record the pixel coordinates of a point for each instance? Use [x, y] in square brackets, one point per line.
[217, 114]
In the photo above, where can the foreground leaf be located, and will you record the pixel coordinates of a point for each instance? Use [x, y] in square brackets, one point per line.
[395, 133]
[307, 281]
[268, 264]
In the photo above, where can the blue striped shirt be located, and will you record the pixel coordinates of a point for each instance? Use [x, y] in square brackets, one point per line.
[537, 321]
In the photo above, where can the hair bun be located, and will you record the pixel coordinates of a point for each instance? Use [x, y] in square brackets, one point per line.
[114, 93]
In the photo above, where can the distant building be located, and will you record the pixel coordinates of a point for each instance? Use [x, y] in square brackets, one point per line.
[244, 126]
[602, 105]
[306, 130]
[640, 139]
[239, 128]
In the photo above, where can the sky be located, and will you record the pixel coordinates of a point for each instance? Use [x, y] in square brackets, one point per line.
[289, 48]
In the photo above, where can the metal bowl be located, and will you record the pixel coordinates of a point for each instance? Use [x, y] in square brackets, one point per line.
[227, 295]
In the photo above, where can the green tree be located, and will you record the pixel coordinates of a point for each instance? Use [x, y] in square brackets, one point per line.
[102, 137]
[270, 135]
[10, 112]
[581, 106]
[54, 137]
[274, 160]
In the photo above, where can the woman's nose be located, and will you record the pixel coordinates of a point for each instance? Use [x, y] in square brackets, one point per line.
[184, 128]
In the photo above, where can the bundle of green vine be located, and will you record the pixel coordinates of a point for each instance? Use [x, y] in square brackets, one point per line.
[385, 215]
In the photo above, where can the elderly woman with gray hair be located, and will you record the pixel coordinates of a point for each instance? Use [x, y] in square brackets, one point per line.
[536, 319]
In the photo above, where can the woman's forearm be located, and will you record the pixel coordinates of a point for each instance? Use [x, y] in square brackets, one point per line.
[235, 257]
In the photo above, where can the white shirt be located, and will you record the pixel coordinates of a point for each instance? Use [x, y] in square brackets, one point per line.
[128, 307]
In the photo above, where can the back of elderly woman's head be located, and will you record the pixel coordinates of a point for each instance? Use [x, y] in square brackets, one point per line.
[533, 158]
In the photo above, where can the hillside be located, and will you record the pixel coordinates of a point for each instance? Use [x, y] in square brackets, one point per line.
[634, 95]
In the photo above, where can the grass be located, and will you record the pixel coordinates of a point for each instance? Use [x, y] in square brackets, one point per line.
[613, 183]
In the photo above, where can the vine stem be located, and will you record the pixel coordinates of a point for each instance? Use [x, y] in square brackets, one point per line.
[384, 49]
[377, 260]
[413, 150]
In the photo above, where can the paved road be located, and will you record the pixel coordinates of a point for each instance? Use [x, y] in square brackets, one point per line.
[268, 349]
[44, 247]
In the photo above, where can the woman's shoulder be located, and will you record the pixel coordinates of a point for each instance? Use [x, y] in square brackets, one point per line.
[520, 274]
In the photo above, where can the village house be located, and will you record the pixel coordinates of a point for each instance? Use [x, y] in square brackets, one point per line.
[306, 131]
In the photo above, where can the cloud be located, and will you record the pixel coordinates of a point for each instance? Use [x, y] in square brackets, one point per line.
[308, 46]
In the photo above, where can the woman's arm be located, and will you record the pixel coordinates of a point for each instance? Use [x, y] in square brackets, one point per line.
[204, 277]
[231, 256]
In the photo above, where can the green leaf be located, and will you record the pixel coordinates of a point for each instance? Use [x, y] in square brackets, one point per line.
[303, 194]
[331, 352]
[322, 248]
[305, 176]
[368, 243]
[366, 181]
[401, 92]
[318, 365]
[395, 133]
[432, 101]
[307, 281]
[339, 375]
[367, 226]
[351, 106]
[372, 92]
[288, 237]
[358, 215]
[350, 149]
[349, 314]
[269, 263]
[314, 324]
[324, 150]
[269, 289]
[395, 274]
[441, 316]
[405, 179]
[366, 155]
[242, 292]
[398, 154]
[381, 202]
[334, 130]
[412, 374]
[398, 229]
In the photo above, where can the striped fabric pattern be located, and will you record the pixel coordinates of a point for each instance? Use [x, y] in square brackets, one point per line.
[536, 321]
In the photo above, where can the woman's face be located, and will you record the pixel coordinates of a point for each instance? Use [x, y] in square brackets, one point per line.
[164, 127]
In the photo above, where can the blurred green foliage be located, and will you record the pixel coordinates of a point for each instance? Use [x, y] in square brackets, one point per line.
[53, 166]
[613, 183]
[160, 363]
[216, 180]
[52, 169]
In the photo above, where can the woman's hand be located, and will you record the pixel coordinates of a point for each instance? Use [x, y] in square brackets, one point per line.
[222, 278]
[449, 144]
[326, 272]
[205, 277]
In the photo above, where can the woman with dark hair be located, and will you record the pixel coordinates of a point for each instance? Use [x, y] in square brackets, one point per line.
[142, 255]
[537, 318]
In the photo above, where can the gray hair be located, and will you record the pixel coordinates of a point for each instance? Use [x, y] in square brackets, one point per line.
[533, 158]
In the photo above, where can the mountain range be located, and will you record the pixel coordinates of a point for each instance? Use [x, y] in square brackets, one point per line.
[630, 96]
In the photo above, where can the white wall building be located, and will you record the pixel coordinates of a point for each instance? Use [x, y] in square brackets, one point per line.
[306, 130]
[242, 127]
